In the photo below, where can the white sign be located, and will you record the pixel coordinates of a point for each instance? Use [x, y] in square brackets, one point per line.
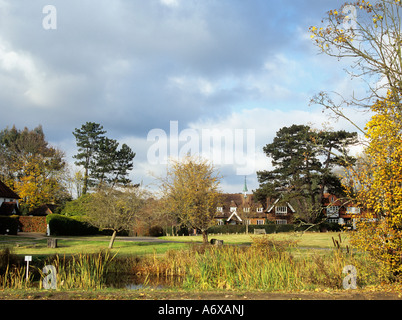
[28, 258]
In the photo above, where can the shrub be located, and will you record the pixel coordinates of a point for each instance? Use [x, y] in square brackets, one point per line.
[8, 223]
[156, 231]
[269, 228]
[66, 226]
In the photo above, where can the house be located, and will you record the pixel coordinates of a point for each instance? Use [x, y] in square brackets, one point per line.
[8, 201]
[7, 195]
[240, 208]
[340, 210]
[9, 209]
[243, 208]
[43, 210]
[280, 212]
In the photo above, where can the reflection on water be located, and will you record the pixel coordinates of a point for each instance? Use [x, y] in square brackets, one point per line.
[134, 282]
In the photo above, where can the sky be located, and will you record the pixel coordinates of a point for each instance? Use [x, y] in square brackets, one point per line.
[144, 68]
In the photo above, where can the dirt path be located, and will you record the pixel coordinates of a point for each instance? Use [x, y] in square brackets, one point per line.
[194, 295]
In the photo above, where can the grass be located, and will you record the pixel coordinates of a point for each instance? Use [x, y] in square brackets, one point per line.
[307, 239]
[71, 246]
[272, 262]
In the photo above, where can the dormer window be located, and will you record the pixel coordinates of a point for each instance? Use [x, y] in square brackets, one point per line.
[281, 210]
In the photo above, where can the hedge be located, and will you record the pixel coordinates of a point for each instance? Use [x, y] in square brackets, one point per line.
[32, 224]
[8, 225]
[60, 225]
[269, 228]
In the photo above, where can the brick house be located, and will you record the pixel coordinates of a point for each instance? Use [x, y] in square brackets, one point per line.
[280, 212]
[243, 208]
[237, 208]
[338, 210]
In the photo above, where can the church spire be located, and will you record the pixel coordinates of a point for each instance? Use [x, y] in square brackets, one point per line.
[245, 187]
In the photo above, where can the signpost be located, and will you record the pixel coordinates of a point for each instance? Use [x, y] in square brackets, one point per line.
[28, 259]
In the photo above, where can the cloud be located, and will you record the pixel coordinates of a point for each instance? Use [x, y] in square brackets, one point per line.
[170, 3]
[134, 65]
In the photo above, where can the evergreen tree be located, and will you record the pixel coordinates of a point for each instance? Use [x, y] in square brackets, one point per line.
[88, 138]
[303, 163]
[104, 163]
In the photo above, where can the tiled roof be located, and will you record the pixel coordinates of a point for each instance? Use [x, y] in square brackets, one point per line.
[6, 192]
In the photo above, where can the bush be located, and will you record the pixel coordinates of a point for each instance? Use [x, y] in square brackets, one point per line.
[66, 226]
[76, 207]
[10, 224]
[156, 231]
[269, 228]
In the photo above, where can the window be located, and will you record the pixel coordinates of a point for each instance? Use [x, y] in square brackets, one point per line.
[220, 222]
[233, 209]
[332, 210]
[282, 210]
[260, 210]
[246, 209]
[219, 209]
[259, 221]
[281, 221]
[333, 220]
[352, 210]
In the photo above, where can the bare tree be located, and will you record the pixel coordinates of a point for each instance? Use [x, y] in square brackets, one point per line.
[115, 209]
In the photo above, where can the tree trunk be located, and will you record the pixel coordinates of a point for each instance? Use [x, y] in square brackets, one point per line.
[112, 239]
[205, 236]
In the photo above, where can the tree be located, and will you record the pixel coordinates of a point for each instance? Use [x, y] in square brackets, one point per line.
[103, 161]
[299, 175]
[373, 42]
[87, 137]
[115, 210]
[190, 192]
[112, 165]
[377, 185]
[31, 167]
[370, 36]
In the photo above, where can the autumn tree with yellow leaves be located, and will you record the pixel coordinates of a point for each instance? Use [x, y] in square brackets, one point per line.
[369, 33]
[377, 186]
[190, 193]
[31, 167]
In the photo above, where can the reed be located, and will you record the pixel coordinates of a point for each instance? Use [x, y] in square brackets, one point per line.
[265, 265]
[81, 271]
[12, 272]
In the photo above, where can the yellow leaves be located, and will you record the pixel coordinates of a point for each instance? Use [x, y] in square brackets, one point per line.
[379, 185]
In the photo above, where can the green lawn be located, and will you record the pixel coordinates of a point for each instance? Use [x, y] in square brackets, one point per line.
[71, 245]
[89, 245]
[308, 239]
